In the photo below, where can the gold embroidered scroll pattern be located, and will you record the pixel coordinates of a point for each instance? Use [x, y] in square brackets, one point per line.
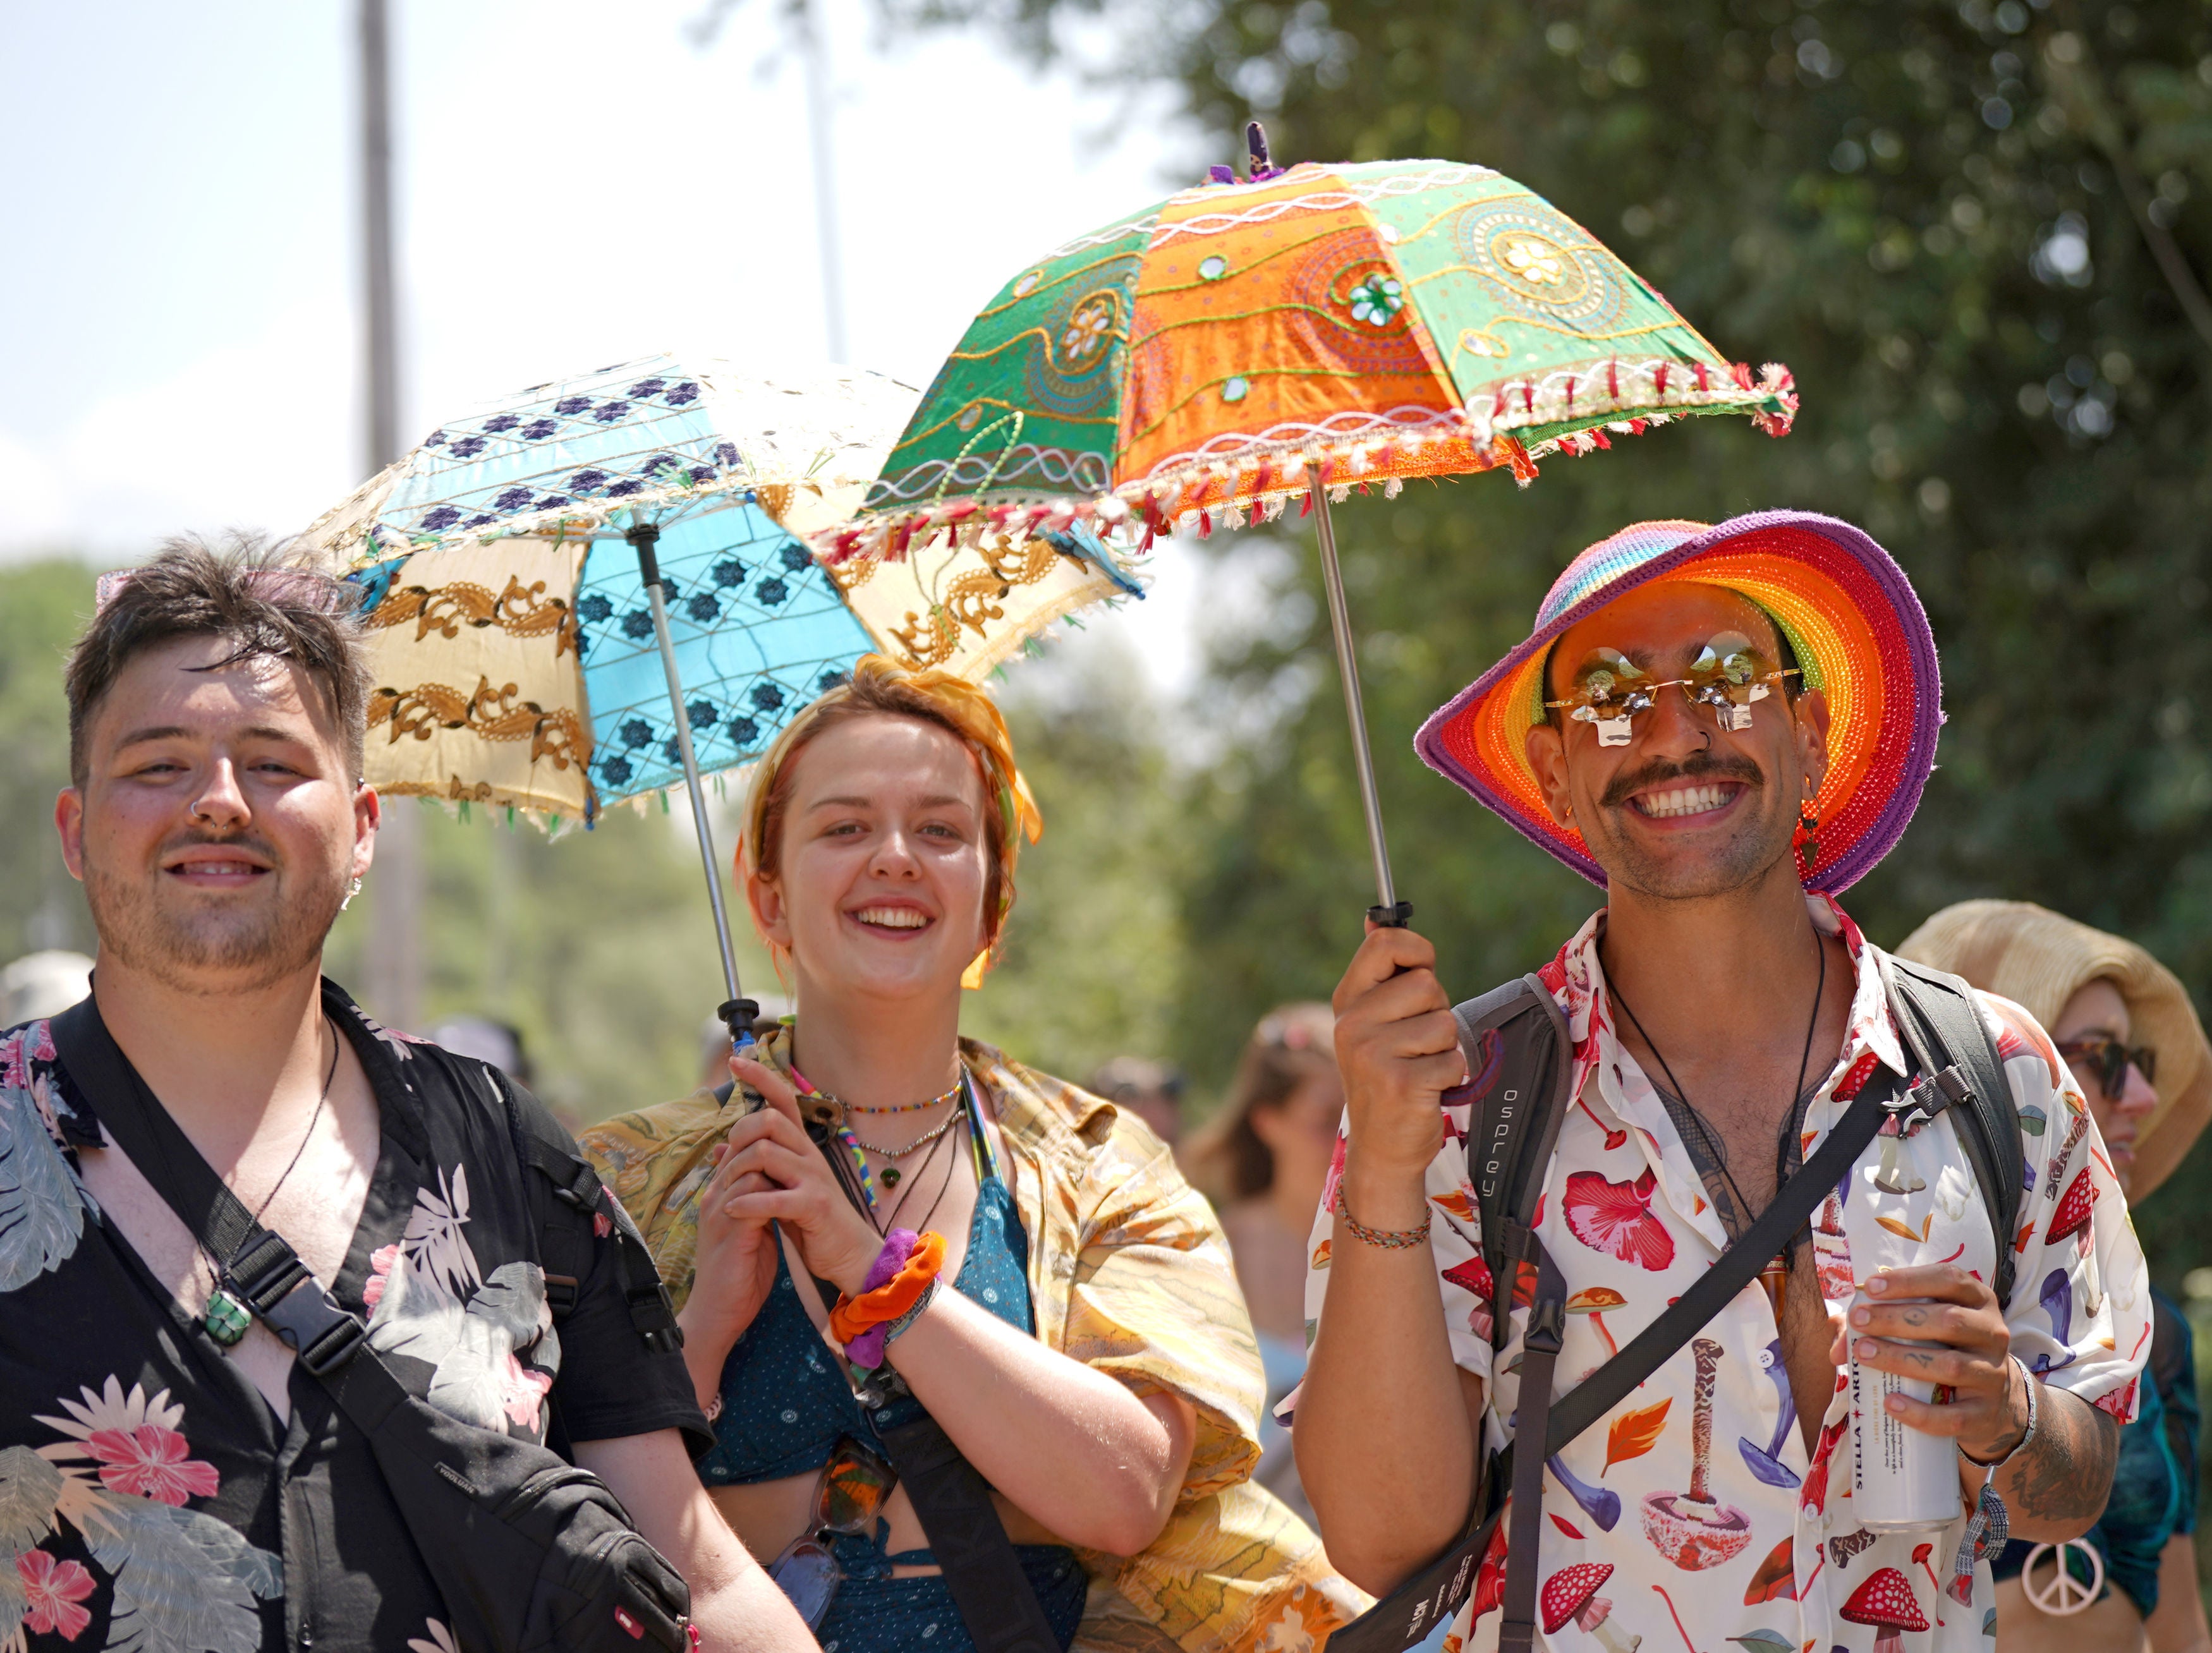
[519, 610]
[490, 714]
[974, 600]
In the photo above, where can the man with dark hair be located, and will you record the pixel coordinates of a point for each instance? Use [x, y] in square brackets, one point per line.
[1723, 728]
[171, 1476]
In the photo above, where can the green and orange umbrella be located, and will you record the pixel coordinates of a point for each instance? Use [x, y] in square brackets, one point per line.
[1290, 335]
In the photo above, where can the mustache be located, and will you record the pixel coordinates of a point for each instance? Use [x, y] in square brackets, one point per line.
[252, 841]
[1706, 766]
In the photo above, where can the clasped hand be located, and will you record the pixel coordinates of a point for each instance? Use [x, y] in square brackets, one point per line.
[1987, 1411]
[768, 1171]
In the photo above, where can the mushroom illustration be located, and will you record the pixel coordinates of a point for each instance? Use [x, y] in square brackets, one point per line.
[1831, 1250]
[1571, 1593]
[1766, 1462]
[2058, 1301]
[2058, 1161]
[1776, 1576]
[1885, 1601]
[1920, 1554]
[1599, 1504]
[1692, 1529]
[1594, 1301]
[1894, 1176]
[2074, 1210]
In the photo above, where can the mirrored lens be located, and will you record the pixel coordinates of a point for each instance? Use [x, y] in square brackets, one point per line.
[808, 1575]
[855, 1486]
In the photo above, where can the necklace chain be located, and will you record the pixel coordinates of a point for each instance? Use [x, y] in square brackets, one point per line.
[938, 1101]
[919, 1142]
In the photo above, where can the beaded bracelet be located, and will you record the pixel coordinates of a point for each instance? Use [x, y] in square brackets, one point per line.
[1389, 1239]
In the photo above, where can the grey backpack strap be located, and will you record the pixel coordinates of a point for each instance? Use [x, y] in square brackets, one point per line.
[1945, 1032]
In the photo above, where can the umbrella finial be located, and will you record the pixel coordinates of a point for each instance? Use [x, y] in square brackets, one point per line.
[1255, 140]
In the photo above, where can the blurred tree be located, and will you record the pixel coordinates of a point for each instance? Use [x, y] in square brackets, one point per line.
[42, 607]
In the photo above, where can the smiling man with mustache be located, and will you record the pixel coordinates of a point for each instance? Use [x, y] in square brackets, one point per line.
[1723, 728]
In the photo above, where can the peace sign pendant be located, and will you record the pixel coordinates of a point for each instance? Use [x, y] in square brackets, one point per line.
[2064, 1595]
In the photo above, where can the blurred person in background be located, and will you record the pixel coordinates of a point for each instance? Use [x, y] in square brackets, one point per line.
[1264, 1160]
[1092, 1361]
[43, 984]
[1152, 1091]
[497, 1043]
[2126, 1026]
[714, 1038]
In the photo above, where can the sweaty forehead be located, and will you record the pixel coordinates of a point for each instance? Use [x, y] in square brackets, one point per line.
[1662, 625]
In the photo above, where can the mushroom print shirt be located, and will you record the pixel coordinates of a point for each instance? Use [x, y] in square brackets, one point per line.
[151, 1501]
[1781, 1566]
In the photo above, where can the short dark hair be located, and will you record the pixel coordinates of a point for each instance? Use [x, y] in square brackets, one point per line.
[266, 600]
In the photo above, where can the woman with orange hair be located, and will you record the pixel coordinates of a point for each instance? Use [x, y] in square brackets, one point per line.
[884, 1236]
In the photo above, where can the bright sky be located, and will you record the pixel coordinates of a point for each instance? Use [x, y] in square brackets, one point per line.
[577, 184]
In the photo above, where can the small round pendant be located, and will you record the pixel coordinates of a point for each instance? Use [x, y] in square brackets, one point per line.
[890, 1177]
[226, 1318]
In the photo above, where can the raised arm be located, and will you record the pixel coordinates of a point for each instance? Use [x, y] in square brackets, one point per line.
[1384, 1411]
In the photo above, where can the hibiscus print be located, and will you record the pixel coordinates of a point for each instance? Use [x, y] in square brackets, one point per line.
[151, 1462]
[1615, 1217]
[53, 1590]
[380, 1264]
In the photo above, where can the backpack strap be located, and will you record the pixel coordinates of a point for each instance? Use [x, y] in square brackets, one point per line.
[1519, 1069]
[1948, 1036]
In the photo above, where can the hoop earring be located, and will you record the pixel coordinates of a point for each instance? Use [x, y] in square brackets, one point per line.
[352, 889]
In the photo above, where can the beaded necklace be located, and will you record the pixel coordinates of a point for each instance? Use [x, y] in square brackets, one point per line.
[950, 1091]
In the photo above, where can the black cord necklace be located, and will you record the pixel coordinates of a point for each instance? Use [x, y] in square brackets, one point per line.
[1719, 1155]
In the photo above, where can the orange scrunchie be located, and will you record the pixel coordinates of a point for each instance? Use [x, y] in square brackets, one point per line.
[853, 1315]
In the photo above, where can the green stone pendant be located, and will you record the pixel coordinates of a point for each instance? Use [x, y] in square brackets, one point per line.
[226, 1318]
[889, 1175]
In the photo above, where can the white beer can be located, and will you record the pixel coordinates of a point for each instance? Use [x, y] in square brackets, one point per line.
[1903, 1479]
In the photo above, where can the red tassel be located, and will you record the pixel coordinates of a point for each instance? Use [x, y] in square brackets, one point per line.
[1597, 437]
[1205, 525]
[1698, 371]
[1528, 398]
[1571, 390]
[1612, 379]
[1742, 372]
[1259, 516]
[1147, 544]
[1659, 382]
[1638, 427]
[1305, 505]
[1524, 468]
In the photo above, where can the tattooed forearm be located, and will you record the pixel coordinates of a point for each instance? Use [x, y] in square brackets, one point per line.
[2057, 1488]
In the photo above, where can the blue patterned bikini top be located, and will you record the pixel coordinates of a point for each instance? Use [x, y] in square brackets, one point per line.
[786, 1403]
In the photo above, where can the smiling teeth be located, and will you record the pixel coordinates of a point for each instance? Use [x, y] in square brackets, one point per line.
[893, 918]
[1687, 800]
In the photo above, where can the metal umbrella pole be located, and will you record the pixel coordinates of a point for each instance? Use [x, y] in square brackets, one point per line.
[1388, 911]
[738, 1013]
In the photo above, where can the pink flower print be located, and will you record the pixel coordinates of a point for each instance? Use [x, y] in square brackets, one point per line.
[1474, 1277]
[151, 1462]
[54, 1589]
[1336, 1175]
[1615, 1217]
[522, 1392]
[381, 1261]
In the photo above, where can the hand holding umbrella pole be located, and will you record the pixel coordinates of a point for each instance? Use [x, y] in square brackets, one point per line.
[736, 1011]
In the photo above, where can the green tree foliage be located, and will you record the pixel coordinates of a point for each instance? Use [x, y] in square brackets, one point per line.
[42, 605]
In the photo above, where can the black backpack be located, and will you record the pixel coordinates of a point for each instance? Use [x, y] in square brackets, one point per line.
[1520, 1063]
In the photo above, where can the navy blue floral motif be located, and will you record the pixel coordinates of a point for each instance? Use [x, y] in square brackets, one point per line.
[672, 751]
[552, 502]
[646, 387]
[572, 404]
[435, 439]
[481, 520]
[595, 607]
[512, 499]
[625, 487]
[638, 623]
[612, 413]
[703, 608]
[728, 572]
[701, 713]
[500, 423]
[702, 473]
[829, 680]
[771, 591]
[585, 481]
[743, 731]
[635, 733]
[615, 770]
[726, 452]
[683, 396]
[538, 429]
[443, 518]
[796, 559]
[468, 446]
[766, 696]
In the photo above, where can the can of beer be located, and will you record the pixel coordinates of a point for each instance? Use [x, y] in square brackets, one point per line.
[1903, 1479]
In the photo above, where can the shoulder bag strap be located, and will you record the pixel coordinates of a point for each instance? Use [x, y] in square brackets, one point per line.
[1945, 1030]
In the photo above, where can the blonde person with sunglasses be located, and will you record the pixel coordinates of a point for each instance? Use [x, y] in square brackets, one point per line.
[2125, 1027]
[882, 1226]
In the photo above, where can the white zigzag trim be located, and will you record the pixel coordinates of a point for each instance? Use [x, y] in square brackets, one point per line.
[1352, 195]
[1051, 465]
[1357, 421]
[1101, 238]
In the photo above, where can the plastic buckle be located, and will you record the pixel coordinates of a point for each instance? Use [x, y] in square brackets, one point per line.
[1547, 1326]
[315, 1326]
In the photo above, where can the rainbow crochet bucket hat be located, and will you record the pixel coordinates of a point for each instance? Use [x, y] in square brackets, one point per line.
[1847, 611]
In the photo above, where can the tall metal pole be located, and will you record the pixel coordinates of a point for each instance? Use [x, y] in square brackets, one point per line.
[738, 1013]
[1388, 910]
[395, 925]
[821, 130]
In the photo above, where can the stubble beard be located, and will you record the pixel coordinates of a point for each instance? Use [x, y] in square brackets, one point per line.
[1742, 863]
[195, 946]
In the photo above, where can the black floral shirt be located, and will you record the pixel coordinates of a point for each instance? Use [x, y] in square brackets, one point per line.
[151, 1499]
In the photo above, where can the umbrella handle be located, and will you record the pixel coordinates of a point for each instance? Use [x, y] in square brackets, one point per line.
[738, 1013]
[1388, 913]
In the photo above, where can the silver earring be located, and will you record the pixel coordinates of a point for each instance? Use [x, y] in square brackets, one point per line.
[352, 889]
